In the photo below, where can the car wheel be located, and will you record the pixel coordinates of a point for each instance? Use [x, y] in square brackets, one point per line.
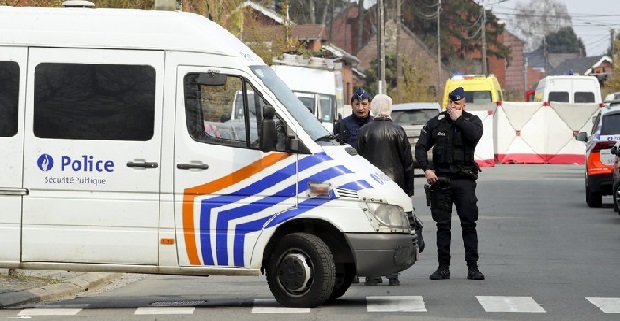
[301, 271]
[345, 273]
[593, 199]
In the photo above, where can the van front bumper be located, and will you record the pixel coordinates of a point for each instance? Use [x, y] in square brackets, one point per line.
[382, 254]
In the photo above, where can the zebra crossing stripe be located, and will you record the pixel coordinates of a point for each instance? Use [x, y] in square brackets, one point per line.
[395, 304]
[607, 305]
[271, 306]
[47, 312]
[510, 304]
[164, 310]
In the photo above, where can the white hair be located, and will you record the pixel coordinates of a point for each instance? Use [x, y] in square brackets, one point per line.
[381, 105]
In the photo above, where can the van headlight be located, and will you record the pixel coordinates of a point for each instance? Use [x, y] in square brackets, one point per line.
[389, 215]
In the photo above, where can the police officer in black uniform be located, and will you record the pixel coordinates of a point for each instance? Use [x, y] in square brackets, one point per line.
[454, 135]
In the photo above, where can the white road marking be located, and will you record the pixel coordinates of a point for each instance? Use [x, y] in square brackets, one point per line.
[39, 311]
[607, 305]
[271, 306]
[164, 310]
[510, 304]
[395, 304]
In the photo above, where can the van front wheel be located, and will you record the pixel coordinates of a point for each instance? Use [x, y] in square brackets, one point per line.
[301, 271]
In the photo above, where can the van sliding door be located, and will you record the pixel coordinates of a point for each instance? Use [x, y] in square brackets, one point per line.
[12, 84]
[92, 160]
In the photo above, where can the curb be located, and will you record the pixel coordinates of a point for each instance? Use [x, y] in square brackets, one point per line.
[71, 287]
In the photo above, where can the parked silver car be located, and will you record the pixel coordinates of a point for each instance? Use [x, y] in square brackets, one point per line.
[412, 117]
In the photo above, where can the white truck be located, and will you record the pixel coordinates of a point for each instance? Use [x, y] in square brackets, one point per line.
[568, 89]
[317, 83]
[119, 156]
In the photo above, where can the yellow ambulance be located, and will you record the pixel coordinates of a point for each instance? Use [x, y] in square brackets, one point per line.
[478, 89]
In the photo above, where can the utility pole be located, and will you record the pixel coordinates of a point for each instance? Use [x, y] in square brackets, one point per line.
[613, 43]
[381, 47]
[484, 41]
[399, 71]
[525, 77]
[438, 49]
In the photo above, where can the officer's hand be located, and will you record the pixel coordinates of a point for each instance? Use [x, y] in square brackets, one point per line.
[455, 113]
[430, 175]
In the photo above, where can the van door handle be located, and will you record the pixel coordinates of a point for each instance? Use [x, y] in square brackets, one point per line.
[142, 164]
[9, 191]
[193, 166]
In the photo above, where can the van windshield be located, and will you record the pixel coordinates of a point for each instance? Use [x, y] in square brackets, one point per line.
[610, 124]
[476, 97]
[297, 109]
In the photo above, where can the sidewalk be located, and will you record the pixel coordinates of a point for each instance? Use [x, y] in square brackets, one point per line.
[32, 286]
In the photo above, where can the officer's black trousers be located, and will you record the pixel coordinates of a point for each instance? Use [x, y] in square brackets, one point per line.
[461, 193]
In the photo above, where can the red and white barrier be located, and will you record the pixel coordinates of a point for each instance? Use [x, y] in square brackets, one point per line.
[484, 154]
[533, 133]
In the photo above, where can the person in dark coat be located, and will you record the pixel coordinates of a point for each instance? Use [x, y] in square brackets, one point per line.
[453, 135]
[385, 145]
[346, 129]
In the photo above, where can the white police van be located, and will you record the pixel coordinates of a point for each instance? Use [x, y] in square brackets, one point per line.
[108, 164]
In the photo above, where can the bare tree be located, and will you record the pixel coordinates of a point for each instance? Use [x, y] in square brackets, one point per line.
[538, 18]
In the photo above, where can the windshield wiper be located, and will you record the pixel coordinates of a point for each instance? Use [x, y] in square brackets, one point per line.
[327, 138]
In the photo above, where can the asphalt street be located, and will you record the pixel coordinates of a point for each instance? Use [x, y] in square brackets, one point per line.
[546, 256]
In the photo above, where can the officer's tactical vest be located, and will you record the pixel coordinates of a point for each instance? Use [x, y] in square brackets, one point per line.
[449, 148]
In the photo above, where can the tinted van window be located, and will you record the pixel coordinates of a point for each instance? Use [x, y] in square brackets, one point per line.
[94, 102]
[558, 96]
[9, 92]
[584, 97]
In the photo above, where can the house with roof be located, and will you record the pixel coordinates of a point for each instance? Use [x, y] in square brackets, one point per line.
[263, 25]
[401, 41]
[598, 66]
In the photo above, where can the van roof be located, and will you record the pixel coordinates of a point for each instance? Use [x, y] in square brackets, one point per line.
[118, 29]
[571, 77]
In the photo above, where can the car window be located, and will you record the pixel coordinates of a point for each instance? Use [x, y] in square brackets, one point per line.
[413, 117]
[559, 96]
[94, 101]
[9, 98]
[478, 97]
[595, 123]
[610, 124]
[584, 97]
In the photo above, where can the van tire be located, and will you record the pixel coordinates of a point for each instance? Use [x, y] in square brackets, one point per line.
[593, 199]
[301, 272]
[345, 274]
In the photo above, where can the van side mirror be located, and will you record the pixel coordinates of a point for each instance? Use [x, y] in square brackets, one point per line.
[582, 137]
[268, 130]
[614, 150]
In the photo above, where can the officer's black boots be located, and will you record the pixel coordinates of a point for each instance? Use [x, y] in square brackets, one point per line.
[473, 273]
[442, 273]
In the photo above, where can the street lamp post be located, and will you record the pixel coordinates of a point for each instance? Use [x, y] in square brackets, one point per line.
[484, 41]
[381, 48]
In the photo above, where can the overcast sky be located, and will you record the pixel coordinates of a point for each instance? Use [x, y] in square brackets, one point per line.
[592, 19]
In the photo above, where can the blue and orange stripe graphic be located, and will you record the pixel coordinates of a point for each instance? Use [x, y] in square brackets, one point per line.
[208, 206]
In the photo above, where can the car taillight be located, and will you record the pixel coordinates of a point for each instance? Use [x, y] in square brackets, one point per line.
[603, 145]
